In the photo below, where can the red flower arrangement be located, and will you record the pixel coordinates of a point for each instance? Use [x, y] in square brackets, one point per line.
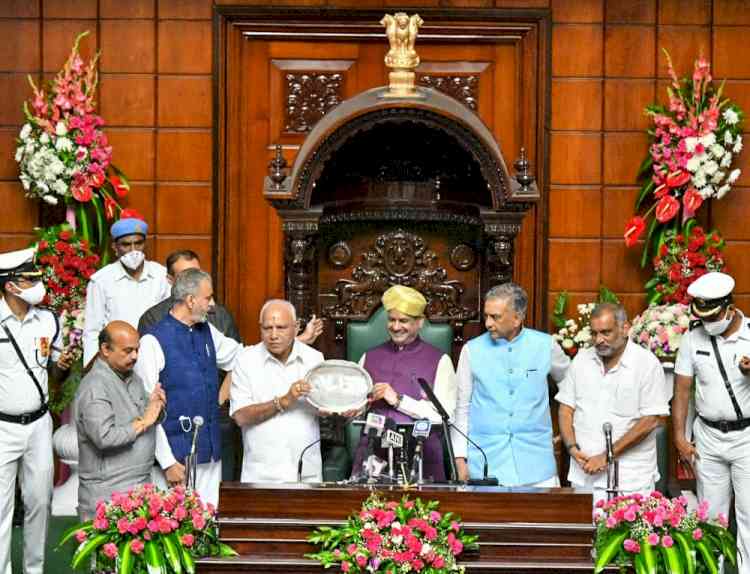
[694, 141]
[147, 529]
[405, 536]
[680, 260]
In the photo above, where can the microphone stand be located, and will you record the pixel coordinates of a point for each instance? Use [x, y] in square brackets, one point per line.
[613, 465]
[191, 460]
[302, 458]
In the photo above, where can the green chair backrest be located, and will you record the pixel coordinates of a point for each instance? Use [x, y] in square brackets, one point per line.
[364, 335]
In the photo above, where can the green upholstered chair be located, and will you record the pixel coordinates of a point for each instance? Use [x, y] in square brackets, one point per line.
[361, 336]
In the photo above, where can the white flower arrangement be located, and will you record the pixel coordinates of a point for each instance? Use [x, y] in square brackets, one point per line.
[660, 329]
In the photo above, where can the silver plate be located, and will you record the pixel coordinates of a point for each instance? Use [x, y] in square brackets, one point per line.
[338, 386]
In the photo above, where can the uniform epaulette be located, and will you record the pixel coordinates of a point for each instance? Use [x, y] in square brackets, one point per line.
[695, 323]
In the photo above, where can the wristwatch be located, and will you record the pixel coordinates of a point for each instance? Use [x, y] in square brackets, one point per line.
[399, 398]
[570, 447]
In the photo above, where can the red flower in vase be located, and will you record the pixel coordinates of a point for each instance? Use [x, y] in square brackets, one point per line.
[633, 230]
[667, 208]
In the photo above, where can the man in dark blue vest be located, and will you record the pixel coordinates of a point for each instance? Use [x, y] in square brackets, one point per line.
[183, 352]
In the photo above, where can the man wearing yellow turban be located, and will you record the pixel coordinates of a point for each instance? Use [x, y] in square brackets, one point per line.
[395, 367]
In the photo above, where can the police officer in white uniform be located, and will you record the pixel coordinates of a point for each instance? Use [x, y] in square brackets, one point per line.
[716, 355]
[29, 346]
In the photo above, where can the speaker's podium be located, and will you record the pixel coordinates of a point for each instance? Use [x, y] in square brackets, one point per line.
[520, 530]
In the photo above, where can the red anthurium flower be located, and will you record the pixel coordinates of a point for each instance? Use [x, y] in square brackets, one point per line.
[661, 191]
[130, 212]
[120, 188]
[678, 178]
[82, 193]
[692, 200]
[633, 230]
[110, 207]
[667, 208]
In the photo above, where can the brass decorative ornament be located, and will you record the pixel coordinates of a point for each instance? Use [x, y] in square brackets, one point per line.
[402, 58]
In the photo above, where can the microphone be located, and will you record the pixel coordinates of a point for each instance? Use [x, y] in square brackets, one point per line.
[427, 389]
[612, 463]
[485, 480]
[607, 430]
[374, 426]
[191, 461]
[420, 432]
[391, 439]
[302, 458]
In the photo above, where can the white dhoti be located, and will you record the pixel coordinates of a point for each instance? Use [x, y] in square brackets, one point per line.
[207, 481]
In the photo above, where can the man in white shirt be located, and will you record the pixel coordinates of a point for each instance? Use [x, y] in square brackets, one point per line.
[183, 352]
[713, 365]
[265, 401]
[30, 341]
[618, 382]
[125, 289]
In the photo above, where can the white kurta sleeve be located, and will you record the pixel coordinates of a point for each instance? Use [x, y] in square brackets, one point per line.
[241, 390]
[95, 320]
[148, 367]
[227, 349]
[559, 363]
[566, 393]
[463, 401]
[445, 390]
[654, 394]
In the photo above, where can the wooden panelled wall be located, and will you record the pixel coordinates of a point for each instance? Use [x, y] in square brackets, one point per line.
[155, 94]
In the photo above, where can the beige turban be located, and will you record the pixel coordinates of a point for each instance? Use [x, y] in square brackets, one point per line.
[404, 299]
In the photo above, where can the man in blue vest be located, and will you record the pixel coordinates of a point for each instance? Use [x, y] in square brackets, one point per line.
[182, 352]
[503, 398]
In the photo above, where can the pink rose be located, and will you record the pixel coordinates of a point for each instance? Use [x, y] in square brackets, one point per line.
[629, 515]
[123, 525]
[417, 565]
[457, 547]
[180, 513]
[187, 540]
[351, 549]
[439, 562]
[722, 518]
[101, 523]
[653, 539]
[435, 516]
[455, 526]
[345, 567]
[631, 545]
[110, 550]
[697, 534]
[137, 546]
[81, 535]
[667, 541]
[361, 560]
[611, 522]
[199, 522]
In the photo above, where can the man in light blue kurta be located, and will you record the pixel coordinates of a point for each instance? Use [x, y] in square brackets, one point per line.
[503, 398]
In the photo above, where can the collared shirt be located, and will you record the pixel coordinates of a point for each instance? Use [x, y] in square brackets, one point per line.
[696, 358]
[113, 295]
[219, 316]
[632, 389]
[272, 448]
[151, 362]
[34, 334]
[559, 362]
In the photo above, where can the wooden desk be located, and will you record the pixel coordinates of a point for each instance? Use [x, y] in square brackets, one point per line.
[521, 530]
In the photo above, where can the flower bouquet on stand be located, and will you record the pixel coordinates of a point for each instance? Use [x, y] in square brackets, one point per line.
[683, 256]
[67, 263]
[64, 155]
[660, 328]
[147, 530]
[575, 333]
[394, 537]
[657, 534]
[694, 141]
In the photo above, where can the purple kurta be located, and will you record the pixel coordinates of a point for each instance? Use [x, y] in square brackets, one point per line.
[401, 368]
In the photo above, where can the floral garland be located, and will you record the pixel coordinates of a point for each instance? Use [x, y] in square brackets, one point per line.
[657, 534]
[146, 530]
[681, 259]
[693, 144]
[574, 334]
[394, 537]
[64, 155]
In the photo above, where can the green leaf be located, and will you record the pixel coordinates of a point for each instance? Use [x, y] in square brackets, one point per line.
[649, 556]
[83, 221]
[125, 554]
[709, 560]
[187, 560]
[226, 550]
[646, 245]
[688, 551]
[154, 557]
[651, 283]
[171, 550]
[85, 549]
[609, 550]
[646, 190]
[607, 296]
[70, 532]
[671, 558]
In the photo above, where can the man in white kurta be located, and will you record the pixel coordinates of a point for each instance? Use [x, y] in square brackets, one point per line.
[721, 453]
[125, 289]
[267, 402]
[624, 387]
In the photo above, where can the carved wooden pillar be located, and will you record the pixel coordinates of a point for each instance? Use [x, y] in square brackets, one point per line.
[498, 254]
[301, 262]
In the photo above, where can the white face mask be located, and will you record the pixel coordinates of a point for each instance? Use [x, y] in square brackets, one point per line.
[32, 295]
[715, 328]
[132, 259]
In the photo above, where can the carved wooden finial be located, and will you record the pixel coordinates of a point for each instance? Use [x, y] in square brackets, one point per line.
[402, 58]
[277, 168]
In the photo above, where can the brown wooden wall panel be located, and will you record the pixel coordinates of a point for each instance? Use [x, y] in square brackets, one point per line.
[19, 214]
[59, 36]
[624, 101]
[568, 56]
[730, 12]
[728, 44]
[685, 44]
[576, 104]
[579, 12]
[19, 50]
[184, 47]
[14, 87]
[623, 154]
[631, 11]
[128, 46]
[576, 265]
[621, 269]
[133, 151]
[575, 158]
[176, 206]
[629, 51]
[8, 165]
[733, 211]
[618, 204]
[70, 8]
[575, 212]
[194, 96]
[127, 100]
[129, 9]
[187, 9]
[695, 12]
[183, 155]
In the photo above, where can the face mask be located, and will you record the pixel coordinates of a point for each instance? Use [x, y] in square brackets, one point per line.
[715, 328]
[32, 295]
[132, 259]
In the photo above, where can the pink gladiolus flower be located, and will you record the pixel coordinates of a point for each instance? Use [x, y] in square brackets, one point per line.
[702, 511]
[187, 540]
[722, 518]
[667, 541]
[631, 545]
[351, 549]
[361, 560]
[435, 516]
[599, 503]
[697, 534]
[417, 565]
[137, 546]
[153, 526]
[629, 515]
[101, 523]
[81, 535]
[199, 523]
[611, 522]
[455, 526]
[345, 567]
[180, 513]
[653, 539]
[110, 550]
[439, 562]
[457, 547]
[123, 525]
